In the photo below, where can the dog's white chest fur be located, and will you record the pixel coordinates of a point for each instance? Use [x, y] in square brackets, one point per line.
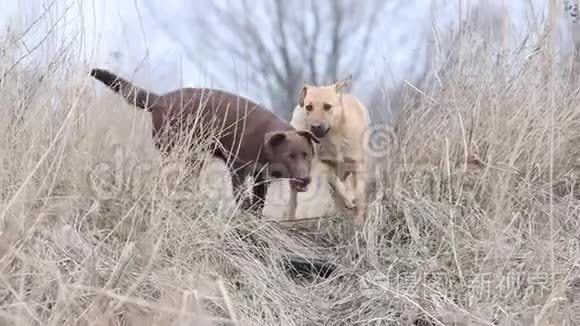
[332, 148]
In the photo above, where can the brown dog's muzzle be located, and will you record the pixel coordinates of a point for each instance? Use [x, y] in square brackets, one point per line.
[300, 184]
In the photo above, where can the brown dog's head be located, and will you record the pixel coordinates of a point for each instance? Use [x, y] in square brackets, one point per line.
[323, 105]
[290, 156]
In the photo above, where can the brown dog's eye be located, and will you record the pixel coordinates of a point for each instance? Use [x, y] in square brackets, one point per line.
[292, 156]
[309, 107]
[327, 107]
[304, 154]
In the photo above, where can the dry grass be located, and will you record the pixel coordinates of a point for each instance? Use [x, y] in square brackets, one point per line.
[474, 220]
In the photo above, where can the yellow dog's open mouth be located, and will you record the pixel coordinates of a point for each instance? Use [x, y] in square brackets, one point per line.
[319, 132]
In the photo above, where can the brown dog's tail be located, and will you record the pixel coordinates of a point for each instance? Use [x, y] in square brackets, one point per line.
[133, 94]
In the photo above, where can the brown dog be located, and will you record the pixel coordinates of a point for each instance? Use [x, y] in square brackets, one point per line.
[251, 140]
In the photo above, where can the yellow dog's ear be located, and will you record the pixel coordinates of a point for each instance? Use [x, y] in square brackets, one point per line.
[302, 95]
[342, 85]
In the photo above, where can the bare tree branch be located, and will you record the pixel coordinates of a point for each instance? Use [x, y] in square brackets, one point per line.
[336, 39]
[314, 44]
[281, 44]
[371, 23]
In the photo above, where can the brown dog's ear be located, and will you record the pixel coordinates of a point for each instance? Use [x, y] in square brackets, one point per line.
[274, 139]
[310, 136]
[342, 85]
[302, 95]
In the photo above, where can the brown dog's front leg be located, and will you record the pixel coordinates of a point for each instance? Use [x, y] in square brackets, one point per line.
[291, 212]
[238, 178]
[260, 189]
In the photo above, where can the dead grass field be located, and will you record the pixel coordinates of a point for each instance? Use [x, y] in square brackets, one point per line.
[474, 221]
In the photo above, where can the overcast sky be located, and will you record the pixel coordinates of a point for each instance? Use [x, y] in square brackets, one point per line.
[129, 29]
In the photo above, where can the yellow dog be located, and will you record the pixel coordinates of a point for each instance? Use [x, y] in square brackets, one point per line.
[340, 121]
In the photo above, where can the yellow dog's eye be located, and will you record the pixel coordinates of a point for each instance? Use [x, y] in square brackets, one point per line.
[309, 107]
[327, 107]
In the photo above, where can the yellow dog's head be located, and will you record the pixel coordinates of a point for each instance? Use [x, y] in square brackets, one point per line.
[323, 106]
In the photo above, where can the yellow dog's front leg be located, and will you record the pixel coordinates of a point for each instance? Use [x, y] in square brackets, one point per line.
[360, 184]
[340, 188]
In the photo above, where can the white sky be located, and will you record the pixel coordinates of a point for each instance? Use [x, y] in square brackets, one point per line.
[127, 27]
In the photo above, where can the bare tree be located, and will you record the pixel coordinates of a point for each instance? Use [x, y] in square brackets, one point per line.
[281, 44]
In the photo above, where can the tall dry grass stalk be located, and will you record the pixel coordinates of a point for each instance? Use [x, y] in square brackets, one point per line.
[474, 220]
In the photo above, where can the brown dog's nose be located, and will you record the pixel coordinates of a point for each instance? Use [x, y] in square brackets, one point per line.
[304, 181]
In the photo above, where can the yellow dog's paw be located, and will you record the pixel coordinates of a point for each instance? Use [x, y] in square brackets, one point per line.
[349, 202]
[290, 214]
